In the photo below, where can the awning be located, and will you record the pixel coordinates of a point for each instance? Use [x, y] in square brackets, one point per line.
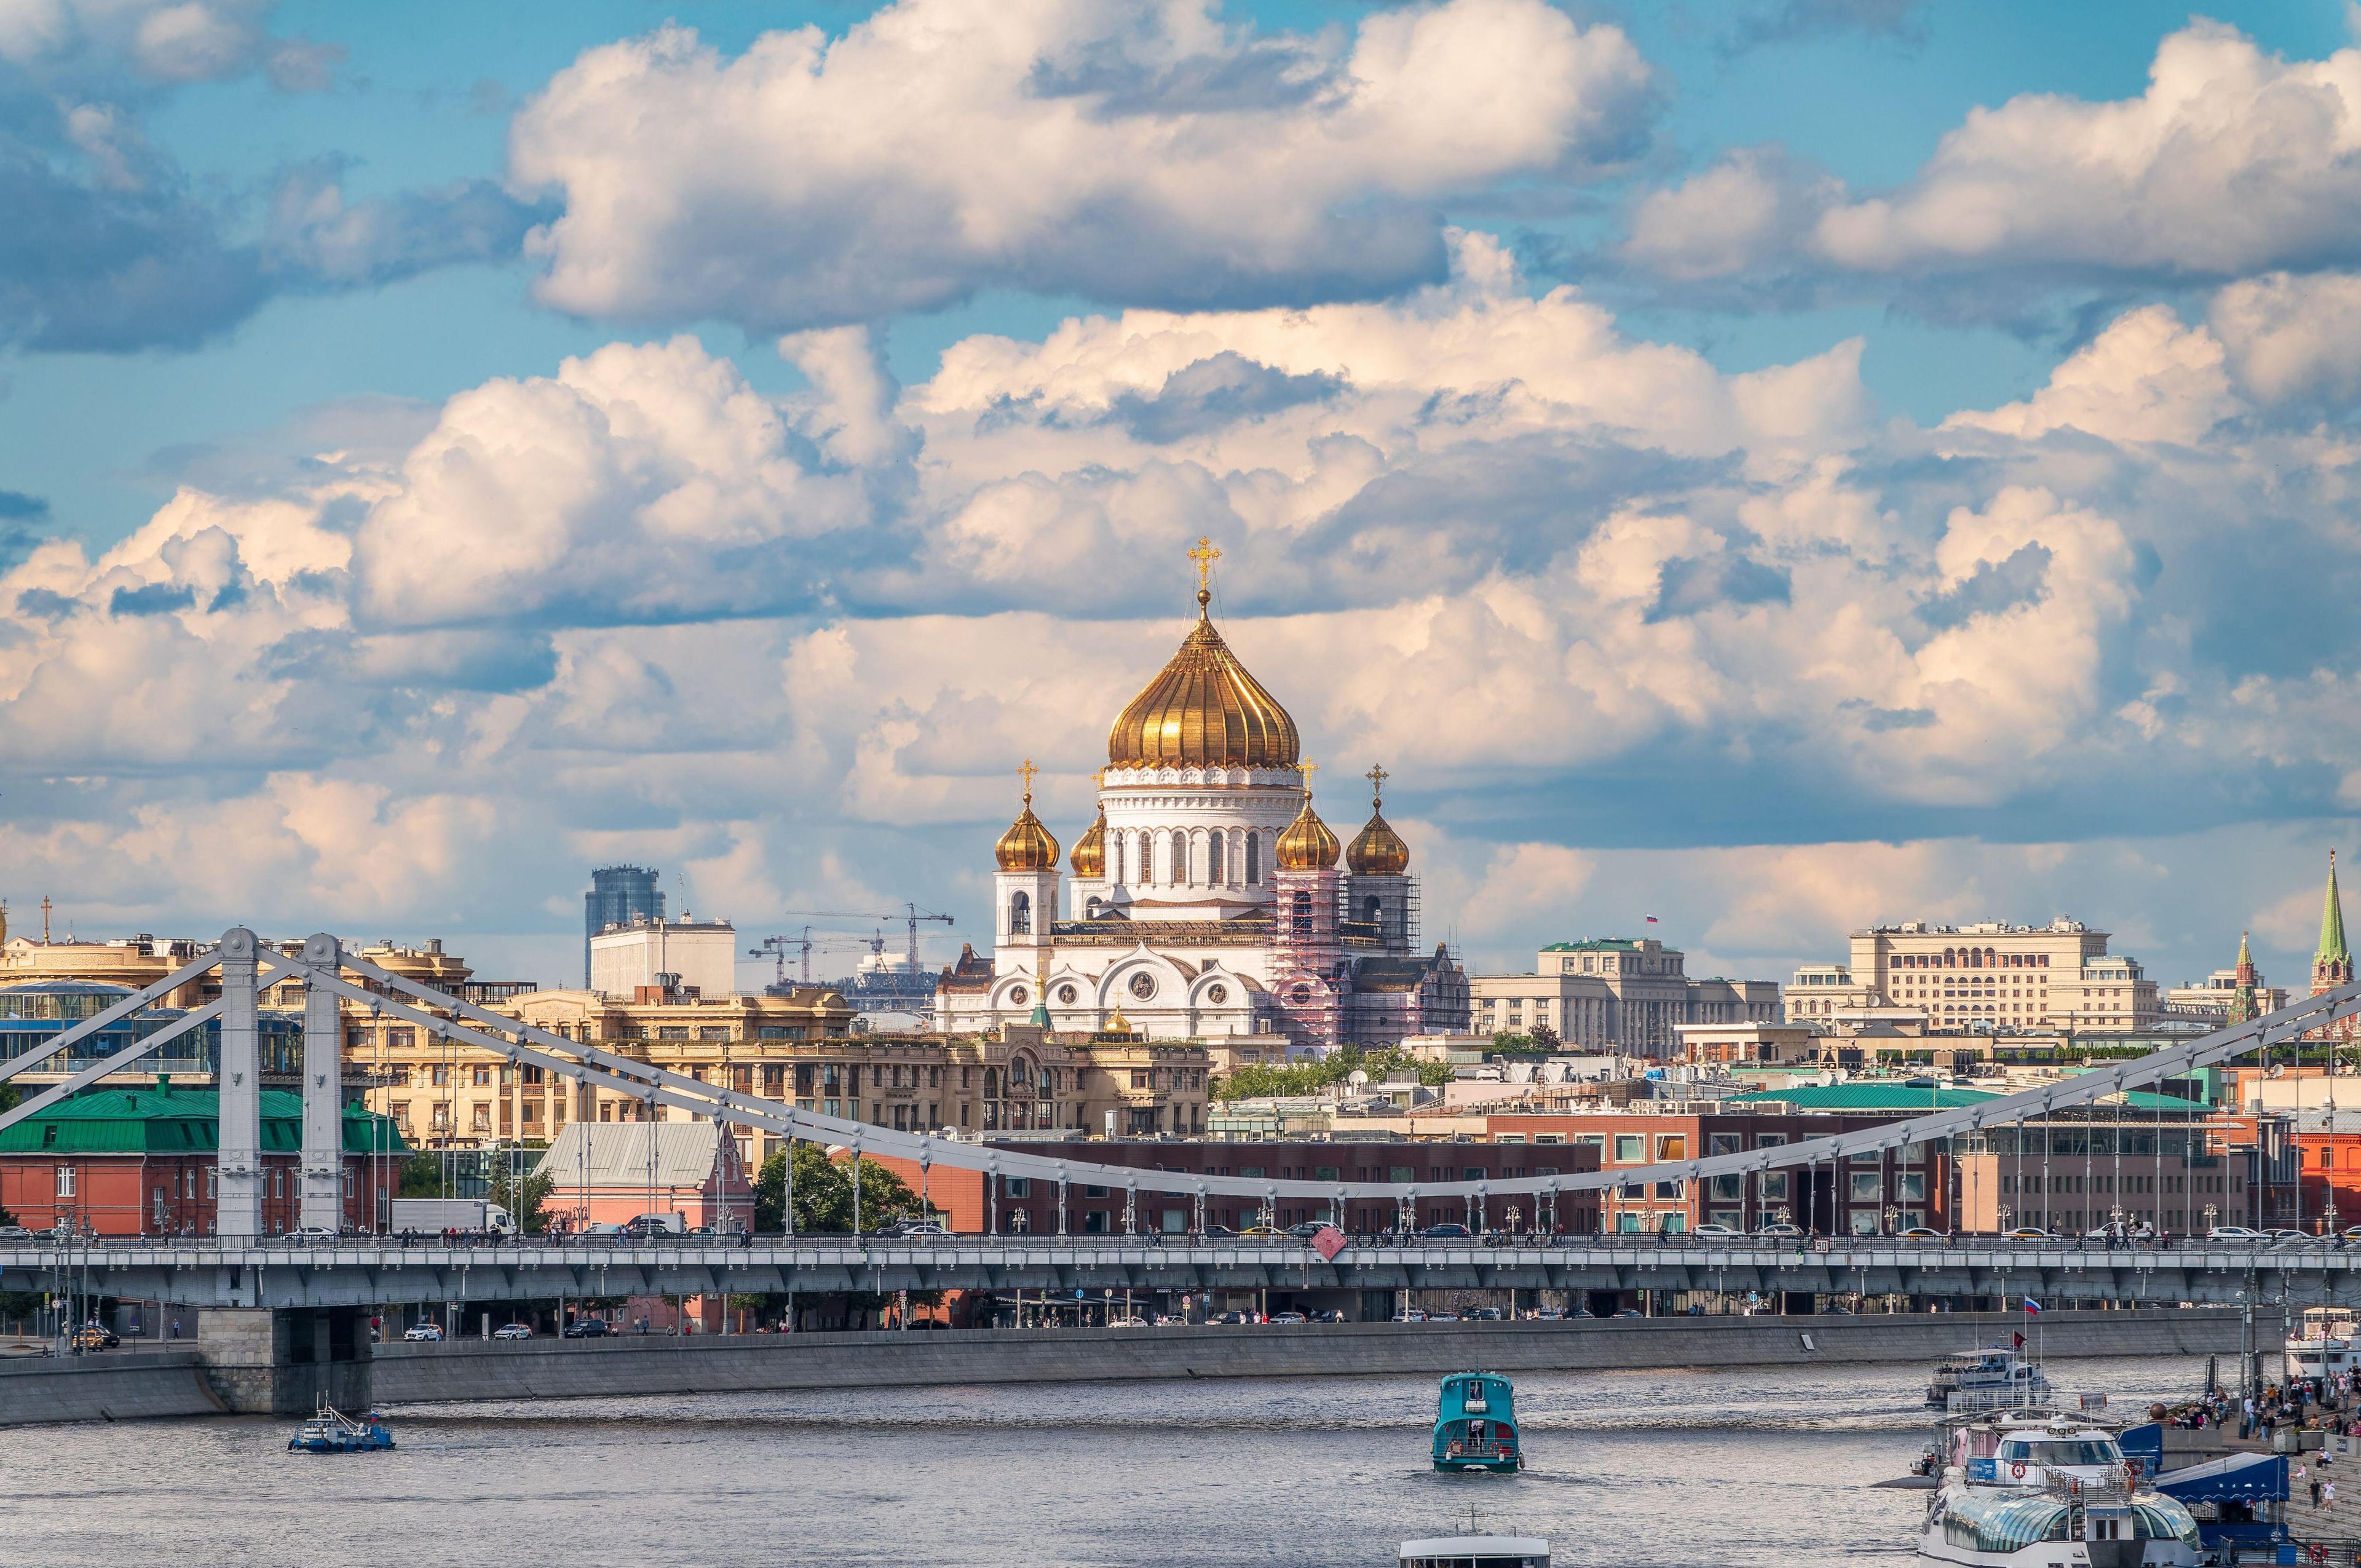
[2233, 1478]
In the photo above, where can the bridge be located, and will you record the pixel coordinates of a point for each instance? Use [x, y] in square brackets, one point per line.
[369, 1271]
[240, 1271]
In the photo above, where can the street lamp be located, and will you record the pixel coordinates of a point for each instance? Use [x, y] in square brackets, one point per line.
[1892, 1216]
[2005, 1215]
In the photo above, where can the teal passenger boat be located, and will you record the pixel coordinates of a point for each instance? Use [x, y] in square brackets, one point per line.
[1475, 1426]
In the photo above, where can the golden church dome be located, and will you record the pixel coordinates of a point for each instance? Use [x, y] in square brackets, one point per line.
[1089, 858]
[1377, 849]
[1204, 711]
[1307, 845]
[1026, 846]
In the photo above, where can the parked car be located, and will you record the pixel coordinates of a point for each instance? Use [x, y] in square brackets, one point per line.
[1630, 1313]
[2299, 1237]
[2234, 1234]
[1227, 1318]
[1547, 1315]
[588, 1328]
[2030, 1234]
[1448, 1232]
[95, 1336]
[1289, 1318]
[512, 1331]
[1485, 1315]
[1920, 1234]
[1779, 1228]
[1412, 1316]
[424, 1332]
[310, 1235]
[1331, 1316]
[1709, 1230]
[14, 1235]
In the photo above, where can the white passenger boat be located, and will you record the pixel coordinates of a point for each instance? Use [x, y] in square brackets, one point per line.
[2321, 1345]
[2041, 1489]
[1475, 1552]
[1991, 1377]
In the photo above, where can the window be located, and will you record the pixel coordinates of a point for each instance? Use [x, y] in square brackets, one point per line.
[1018, 1187]
[1094, 1223]
[1180, 857]
[1728, 1188]
[1401, 1173]
[1865, 1187]
[1020, 914]
[1911, 1186]
[483, 1119]
[1673, 1147]
[1254, 860]
[713, 1032]
[1629, 1147]
[483, 1074]
[1214, 858]
[65, 1182]
[1299, 920]
[1774, 1184]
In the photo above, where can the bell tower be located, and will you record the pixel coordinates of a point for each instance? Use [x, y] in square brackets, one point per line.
[1024, 890]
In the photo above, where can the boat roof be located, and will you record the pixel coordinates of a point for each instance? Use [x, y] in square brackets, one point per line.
[1477, 1545]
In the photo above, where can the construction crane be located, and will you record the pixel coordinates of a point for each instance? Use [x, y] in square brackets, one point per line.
[911, 914]
[776, 949]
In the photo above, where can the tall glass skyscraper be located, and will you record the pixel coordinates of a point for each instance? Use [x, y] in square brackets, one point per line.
[617, 895]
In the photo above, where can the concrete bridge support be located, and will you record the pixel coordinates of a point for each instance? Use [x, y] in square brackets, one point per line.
[284, 1360]
[238, 1213]
[324, 1047]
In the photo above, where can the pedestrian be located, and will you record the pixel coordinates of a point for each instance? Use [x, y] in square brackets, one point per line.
[2328, 1496]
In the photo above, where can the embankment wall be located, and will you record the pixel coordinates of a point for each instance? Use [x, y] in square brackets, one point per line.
[119, 1387]
[554, 1369]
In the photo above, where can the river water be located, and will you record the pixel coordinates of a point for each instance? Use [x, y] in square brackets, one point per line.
[1767, 1466]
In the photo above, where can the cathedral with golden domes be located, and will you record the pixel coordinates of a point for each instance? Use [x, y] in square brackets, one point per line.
[1205, 902]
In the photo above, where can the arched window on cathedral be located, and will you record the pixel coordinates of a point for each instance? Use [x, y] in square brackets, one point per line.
[1373, 910]
[1299, 919]
[991, 1083]
[1254, 860]
[1020, 914]
[1180, 857]
[1114, 857]
[1213, 859]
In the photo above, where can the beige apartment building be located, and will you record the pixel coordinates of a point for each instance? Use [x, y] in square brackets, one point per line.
[1990, 975]
[1615, 994]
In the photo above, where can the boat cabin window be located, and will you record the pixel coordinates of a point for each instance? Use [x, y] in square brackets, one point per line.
[2063, 1450]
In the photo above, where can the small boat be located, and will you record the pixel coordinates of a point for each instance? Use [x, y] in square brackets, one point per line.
[1992, 1378]
[2029, 1489]
[2321, 1345]
[1477, 1552]
[1476, 1424]
[332, 1432]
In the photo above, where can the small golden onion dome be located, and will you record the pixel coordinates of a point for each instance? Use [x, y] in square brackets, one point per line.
[1026, 846]
[1307, 845]
[1089, 858]
[1377, 849]
[1118, 1024]
[1204, 710]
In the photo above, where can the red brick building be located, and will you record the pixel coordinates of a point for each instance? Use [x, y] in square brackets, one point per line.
[130, 1162]
[1094, 1209]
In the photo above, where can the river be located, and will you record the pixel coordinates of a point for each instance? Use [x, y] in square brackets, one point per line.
[1767, 1468]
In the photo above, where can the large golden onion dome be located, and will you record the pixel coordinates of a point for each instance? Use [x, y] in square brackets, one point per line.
[1307, 845]
[1377, 849]
[1026, 846]
[1089, 858]
[1203, 712]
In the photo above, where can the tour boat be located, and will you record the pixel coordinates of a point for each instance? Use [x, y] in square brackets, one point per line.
[1476, 1424]
[332, 1432]
[1987, 1378]
[2036, 1488]
[1475, 1552]
[2321, 1345]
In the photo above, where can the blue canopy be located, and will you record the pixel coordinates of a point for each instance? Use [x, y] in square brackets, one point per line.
[2144, 1444]
[2233, 1478]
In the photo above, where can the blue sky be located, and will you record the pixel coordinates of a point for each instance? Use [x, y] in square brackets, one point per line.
[1812, 493]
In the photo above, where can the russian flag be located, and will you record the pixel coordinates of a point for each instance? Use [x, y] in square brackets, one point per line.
[2031, 1306]
[1651, 920]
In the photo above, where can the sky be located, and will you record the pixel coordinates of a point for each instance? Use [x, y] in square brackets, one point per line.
[1777, 467]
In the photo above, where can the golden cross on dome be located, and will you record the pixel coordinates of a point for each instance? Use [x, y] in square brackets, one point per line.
[1204, 555]
[1307, 768]
[1029, 770]
[1377, 777]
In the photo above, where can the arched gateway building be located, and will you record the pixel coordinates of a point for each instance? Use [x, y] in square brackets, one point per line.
[1206, 900]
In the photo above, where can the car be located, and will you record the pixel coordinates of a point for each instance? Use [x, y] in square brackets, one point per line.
[588, 1328]
[2234, 1234]
[1287, 1318]
[1711, 1232]
[1331, 1316]
[1836, 1311]
[918, 1230]
[1630, 1313]
[1227, 1318]
[514, 1331]
[1218, 1234]
[1547, 1315]
[1779, 1228]
[1308, 1229]
[424, 1332]
[2028, 1233]
[1133, 1322]
[1485, 1315]
[1919, 1233]
[310, 1235]
[16, 1234]
[2286, 1236]
[1412, 1316]
[1448, 1232]
[1262, 1234]
[1443, 1317]
[94, 1336]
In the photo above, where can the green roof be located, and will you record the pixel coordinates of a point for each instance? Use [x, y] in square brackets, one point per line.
[1892, 1094]
[180, 1121]
[1595, 944]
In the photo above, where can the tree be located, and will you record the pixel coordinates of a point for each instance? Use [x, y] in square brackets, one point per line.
[525, 1197]
[421, 1177]
[824, 1193]
[1254, 1081]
